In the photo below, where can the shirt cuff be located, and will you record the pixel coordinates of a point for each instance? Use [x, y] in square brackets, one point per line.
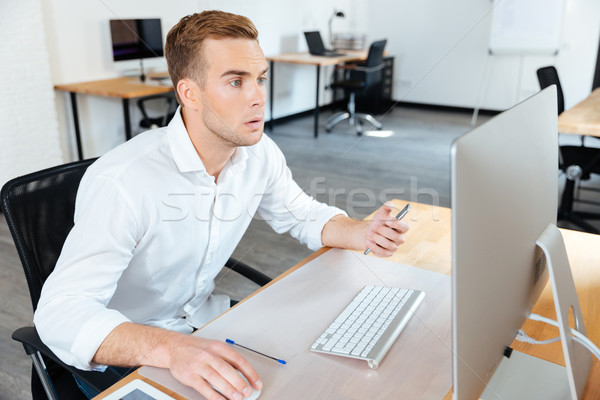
[91, 336]
[316, 229]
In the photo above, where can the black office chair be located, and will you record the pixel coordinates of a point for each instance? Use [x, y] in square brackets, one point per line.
[359, 77]
[39, 209]
[156, 121]
[577, 162]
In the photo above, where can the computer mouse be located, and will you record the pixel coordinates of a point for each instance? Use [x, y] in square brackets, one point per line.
[255, 393]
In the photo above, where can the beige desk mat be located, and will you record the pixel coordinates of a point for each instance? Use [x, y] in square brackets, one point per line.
[285, 319]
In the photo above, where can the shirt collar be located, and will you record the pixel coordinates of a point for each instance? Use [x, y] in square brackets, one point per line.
[238, 159]
[184, 153]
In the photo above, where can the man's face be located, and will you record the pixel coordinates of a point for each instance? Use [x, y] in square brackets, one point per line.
[233, 96]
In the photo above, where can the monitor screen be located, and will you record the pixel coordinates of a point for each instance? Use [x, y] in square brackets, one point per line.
[504, 194]
[136, 38]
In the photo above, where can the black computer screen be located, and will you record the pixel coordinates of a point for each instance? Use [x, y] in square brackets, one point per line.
[136, 38]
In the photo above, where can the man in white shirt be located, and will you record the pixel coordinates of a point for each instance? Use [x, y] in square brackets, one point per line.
[157, 218]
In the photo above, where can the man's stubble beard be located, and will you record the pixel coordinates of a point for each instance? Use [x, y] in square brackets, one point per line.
[220, 129]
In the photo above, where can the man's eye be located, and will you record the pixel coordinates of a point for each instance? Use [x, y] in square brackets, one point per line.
[261, 80]
[236, 83]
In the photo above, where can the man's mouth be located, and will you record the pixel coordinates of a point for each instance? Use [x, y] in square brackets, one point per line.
[255, 123]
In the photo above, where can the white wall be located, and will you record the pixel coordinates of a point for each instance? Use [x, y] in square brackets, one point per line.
[442, 58]
[281, 25]
[28, 125]
[79, 45]
[440, 49]
[80, 50]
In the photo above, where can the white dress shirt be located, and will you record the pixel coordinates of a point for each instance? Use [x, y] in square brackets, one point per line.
[153, 229]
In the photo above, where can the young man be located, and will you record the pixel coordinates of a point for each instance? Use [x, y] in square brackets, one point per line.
[157, 217]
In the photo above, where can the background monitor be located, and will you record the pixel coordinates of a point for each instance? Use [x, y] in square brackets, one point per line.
[136, 38]
[504, 194]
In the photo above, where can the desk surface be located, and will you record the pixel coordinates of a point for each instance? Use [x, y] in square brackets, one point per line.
[308, 59]
[584, 118]
[123, 88]
[428, 247]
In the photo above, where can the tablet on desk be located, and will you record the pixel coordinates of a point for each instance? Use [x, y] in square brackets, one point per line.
[138, 390]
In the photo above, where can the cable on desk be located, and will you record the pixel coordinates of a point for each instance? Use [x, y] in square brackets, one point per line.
[577, 336]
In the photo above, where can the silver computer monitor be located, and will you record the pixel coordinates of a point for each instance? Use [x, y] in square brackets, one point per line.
[504, 194]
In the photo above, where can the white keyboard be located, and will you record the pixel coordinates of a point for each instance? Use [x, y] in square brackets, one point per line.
[370, 324]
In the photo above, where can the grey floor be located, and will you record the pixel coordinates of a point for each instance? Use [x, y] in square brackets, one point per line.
[357, 174]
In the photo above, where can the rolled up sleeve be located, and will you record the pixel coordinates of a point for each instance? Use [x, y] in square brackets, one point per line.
[72, 317]
[287, 208]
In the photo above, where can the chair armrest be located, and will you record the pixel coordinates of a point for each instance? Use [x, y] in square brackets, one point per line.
[247, 271]
[359, 67]
[369, 69]
[30, 339]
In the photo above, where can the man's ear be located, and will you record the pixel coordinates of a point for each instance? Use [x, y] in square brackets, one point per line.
[188, 92]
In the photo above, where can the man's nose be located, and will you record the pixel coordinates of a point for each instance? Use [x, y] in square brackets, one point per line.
[257, 95]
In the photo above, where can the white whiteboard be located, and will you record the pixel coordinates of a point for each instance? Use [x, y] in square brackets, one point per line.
[526, 26]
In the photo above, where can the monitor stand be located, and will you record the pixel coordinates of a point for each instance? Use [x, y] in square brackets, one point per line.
[578, 359]
[525, 377]
[142, 75]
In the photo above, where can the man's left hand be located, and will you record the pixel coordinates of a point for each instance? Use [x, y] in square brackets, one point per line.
[384, 232]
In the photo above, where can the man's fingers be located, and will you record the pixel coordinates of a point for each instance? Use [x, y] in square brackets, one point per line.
[382, 246]
[233, 377]
[242, 365]
[227, 383]
[385, 243]
[211, 368]
[399, 226]
[200, 385]
[227, 366]
[378, 250]
[393, 235]
[385, 212]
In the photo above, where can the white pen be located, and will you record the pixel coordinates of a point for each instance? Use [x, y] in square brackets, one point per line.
[400, 215]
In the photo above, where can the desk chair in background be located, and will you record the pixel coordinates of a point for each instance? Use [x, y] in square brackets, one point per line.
[577, 162]
[39, 209]
[162, 119]
[359, 77]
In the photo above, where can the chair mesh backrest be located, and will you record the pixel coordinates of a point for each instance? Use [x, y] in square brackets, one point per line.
[39, 209]
[375, 56]
[374, 59]
[549, 76]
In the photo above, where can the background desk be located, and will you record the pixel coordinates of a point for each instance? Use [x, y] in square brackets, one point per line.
[124, 88]
[584, 118]
[428, 246]
[318, 61]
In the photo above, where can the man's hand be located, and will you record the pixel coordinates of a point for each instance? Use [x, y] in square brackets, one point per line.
[193, 361]
[385, 233]
[200, 363]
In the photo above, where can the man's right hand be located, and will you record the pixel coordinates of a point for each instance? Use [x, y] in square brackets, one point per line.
[202, 364]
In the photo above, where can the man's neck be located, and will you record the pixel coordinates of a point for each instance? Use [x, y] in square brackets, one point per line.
[213, 152]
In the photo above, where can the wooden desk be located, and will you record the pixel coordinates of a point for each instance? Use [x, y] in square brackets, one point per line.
[124, 88]
[428, 247]
[584, 118]
[318, 61]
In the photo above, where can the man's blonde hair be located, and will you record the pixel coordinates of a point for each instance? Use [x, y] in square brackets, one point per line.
[183, 50]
